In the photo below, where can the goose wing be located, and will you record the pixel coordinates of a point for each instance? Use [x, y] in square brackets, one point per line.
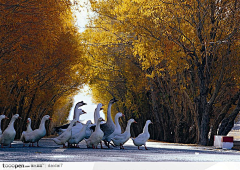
[142, 138]
[107, 129]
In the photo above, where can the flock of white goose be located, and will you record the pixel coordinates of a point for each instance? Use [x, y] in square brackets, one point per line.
[72, 134]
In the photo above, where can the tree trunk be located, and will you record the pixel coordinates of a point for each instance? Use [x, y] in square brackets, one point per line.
[203, 107]
[228, 123]
[221, 117]
[155, 108]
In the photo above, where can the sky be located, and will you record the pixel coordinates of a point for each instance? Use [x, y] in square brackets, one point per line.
[82, 14]
[83, 94]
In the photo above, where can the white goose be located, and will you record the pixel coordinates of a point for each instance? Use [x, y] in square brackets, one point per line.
[9, 133]
[79, 125]
[79, 104]
[78, 137]
[118, 129]
[88, 131]
[143, 137]
[120, 139]
[37, 134]
[29, 129]
[61, 129]
[109, 127]
[1, 118]
[96, 136]
[65, 136]
[91, 127]
[97, 112]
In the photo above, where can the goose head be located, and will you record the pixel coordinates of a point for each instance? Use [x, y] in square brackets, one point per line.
[113, 100]
[99, 106]
[16, 116]
[47, 117]
[119, 114]
[3, 117]
[149, 122]
[100, 119]
[88, 122]
[79, 104]
[29, 120]
[82, 112]
[78, 113]
[131, 121]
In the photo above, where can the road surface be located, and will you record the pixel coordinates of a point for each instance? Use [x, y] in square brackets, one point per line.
[158, 152]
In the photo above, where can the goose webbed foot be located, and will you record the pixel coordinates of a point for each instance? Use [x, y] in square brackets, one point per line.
[112, 144]
[101, 144]
[107, 143]
[64, 146]
[121, 146]
[146, 147]
[72, 145]
[75, 146]
[139, 148]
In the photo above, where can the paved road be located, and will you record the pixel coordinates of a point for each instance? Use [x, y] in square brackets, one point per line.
[158, 152]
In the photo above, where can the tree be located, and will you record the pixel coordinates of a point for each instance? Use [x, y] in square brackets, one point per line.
[188, 52]
[41, 58]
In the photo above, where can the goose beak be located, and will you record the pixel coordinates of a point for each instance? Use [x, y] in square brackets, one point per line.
[19, 118]
[134, 122]
[78, 122]
[84, 112]
[101, 108]
[123, 115]
[103, 120]
[84, 103]
[6, 117]
[27, 121]
[50, 118]
[151, 123]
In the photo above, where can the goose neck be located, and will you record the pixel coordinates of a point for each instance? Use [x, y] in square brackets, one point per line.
[75, 113]
[12, 122]
[28, 125]
[96, 115]
[128, 127]
[42, 124]
[0, 122]
[98, 125]
[70, 126]
[145, 129]
[78, 118]
[109, 118]
[117, 123]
